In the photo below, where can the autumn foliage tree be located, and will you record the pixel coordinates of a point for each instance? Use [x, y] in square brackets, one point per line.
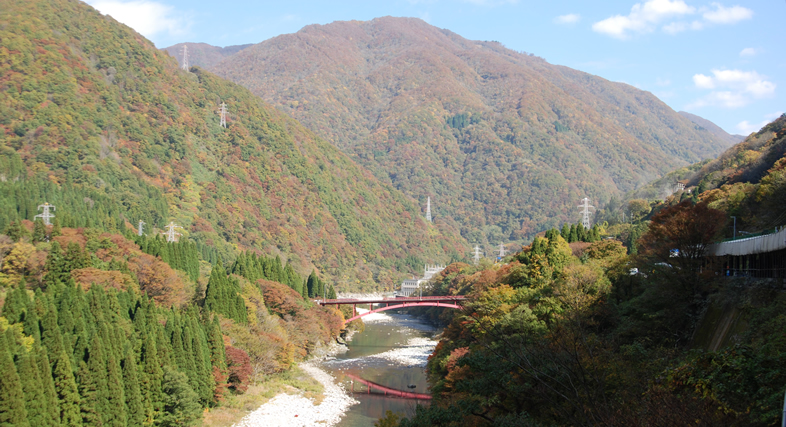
[677, 241]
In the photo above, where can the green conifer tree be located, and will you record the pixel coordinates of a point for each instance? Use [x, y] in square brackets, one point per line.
[48, 385]
[15, 231]
[39, 231]
[12, 398]
[565, 233]
[35, 400]
[16, 303]
[135, 411]
[312, 284]
[181, 403]
[56, 229]
[89, 396]
[114, 414]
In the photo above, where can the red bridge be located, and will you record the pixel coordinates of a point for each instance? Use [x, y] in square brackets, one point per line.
[387, 391]
[393, 303]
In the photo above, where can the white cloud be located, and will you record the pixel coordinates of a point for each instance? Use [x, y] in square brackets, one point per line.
[662, 82]
[733, 88]
[146, 17]
[642, 18]
[645, 17]
[747, 128]
[570, 18]
[727, 15]
[749, 51]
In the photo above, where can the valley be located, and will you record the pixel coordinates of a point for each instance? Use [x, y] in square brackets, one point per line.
[217, 236]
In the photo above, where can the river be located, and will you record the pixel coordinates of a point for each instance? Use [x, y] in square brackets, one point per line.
[388, 357]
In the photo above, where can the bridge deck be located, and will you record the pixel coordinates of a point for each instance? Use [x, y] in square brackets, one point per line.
[341, 301]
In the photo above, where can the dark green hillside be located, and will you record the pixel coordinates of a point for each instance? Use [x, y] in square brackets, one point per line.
[97, 121]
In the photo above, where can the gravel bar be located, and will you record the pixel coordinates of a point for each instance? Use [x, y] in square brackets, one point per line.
[288, 410]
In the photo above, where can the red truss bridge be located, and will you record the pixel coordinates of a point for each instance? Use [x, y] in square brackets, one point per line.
[393, 303]
[387, 391]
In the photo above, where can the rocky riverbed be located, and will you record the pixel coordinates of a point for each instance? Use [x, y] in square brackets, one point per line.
[291, 410]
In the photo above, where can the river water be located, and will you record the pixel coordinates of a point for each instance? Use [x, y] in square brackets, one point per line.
[388, 357]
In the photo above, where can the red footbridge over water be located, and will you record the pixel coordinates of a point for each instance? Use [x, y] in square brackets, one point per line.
[387, 391]
[393, 303]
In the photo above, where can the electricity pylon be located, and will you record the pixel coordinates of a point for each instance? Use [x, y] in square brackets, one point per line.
[170, 232]
[428, 209]
[46, 216]
[223, 112]
[185, 58]
[477, 255]
[585, 213]
[141, 223]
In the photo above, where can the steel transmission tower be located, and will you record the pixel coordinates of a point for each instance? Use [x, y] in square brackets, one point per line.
[477, 255]
[141, 223]
[185, 58]
[585, 213]
[223, 112]
[46, 216]
[428, 209]
[501, 251]
[170, 232]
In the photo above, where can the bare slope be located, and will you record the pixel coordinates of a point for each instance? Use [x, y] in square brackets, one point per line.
[505, 143]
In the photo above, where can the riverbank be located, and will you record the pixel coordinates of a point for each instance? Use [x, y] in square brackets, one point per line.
[295, 410]
[299, 402]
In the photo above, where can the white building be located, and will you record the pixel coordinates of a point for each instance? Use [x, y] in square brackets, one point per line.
[411, 286]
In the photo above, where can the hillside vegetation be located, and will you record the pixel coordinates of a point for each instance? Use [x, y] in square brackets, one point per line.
[504, 143]
[562, 334]
[202, 54]
[746, 181]
[98, 122]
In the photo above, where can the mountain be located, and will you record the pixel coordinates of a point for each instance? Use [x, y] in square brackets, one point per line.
[97, 121]
[202, 54]
[746, 181]
[713, 128]
[749, 179]
[504, 143]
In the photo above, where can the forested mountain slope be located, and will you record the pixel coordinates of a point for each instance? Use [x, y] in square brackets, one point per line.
[713, 128]
[504, 143]
[97, 121]
[202, 54]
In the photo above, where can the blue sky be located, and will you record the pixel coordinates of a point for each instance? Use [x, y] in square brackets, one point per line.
[717, 59]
